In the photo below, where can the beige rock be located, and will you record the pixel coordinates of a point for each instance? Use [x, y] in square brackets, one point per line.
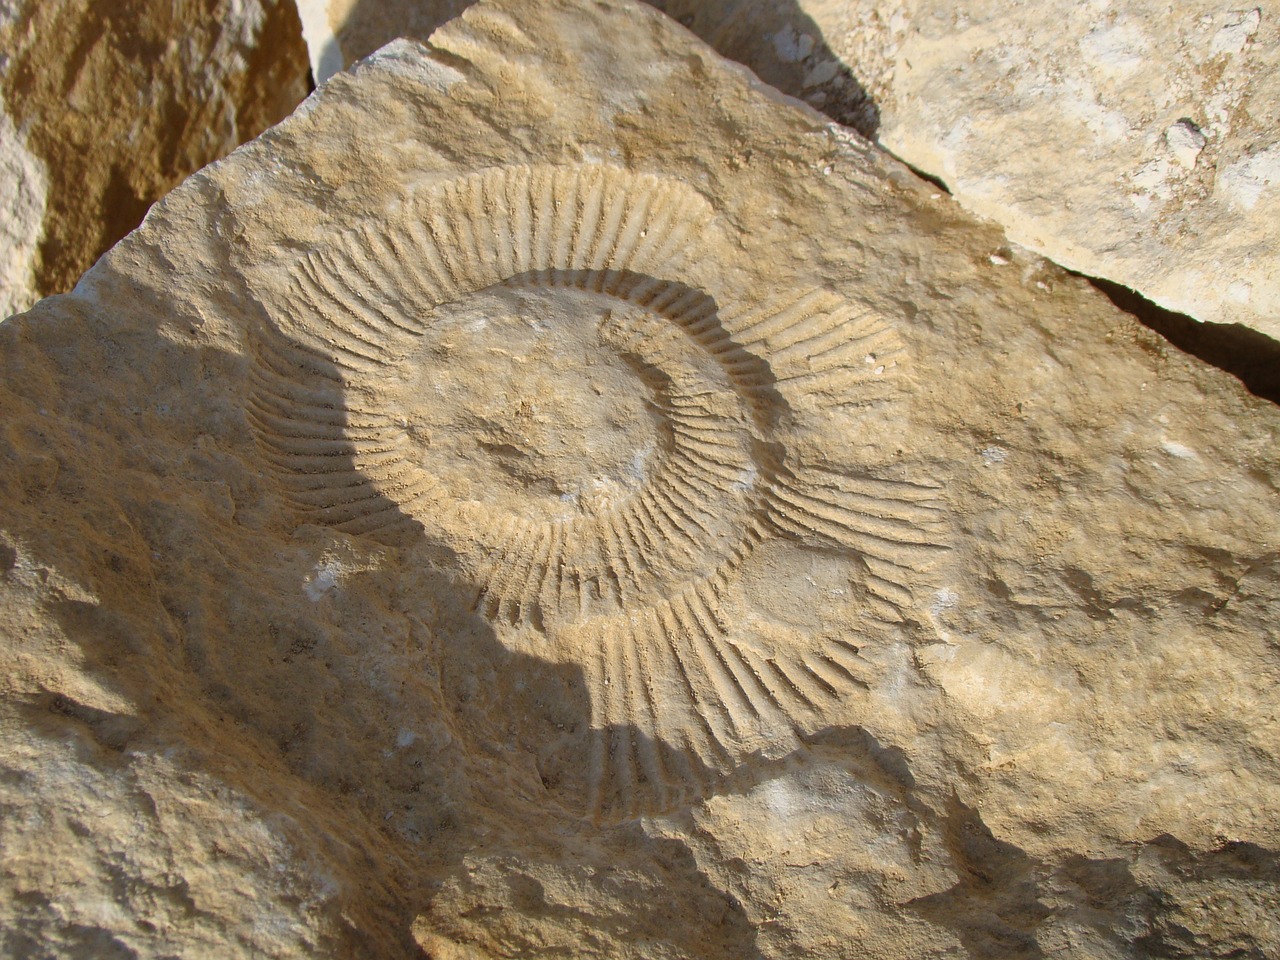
[1135, 144]
[317, 33]
[103, 108]
[553, 496]
[23, 190]
[778, 40]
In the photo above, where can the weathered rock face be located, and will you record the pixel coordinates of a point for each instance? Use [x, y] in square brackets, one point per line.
[1136, 142]
[780, 42]
[1138, 145]
[551, 496]
[103, 108]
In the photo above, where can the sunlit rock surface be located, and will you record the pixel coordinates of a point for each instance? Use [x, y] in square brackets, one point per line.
[553, 495]
[1136, 143]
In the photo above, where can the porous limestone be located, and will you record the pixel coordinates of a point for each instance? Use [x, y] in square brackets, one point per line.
[554, 496]
[105, 107]
[1136, 143]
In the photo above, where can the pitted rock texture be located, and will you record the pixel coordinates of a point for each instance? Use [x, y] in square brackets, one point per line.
[552, 496]
[1138, 144]
[105, 107]
[524, 366]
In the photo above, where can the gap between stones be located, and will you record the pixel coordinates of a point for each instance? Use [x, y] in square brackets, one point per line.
[1251, 357]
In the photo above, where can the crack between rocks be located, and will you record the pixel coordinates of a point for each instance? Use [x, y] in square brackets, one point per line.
[1250, 356]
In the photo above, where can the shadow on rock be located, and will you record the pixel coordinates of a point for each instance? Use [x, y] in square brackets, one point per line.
[1248, 355]
[777, 40]
[995, 907]
[345, 688]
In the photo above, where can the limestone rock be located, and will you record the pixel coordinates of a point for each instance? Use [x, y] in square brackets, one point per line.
[553, 496]
[1125, 143]
[1134, 144]
[105, 107]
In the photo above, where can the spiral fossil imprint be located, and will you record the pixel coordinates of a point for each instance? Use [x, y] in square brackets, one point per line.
[519, 365]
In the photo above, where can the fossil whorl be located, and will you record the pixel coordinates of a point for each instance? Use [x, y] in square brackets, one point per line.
[519, 365]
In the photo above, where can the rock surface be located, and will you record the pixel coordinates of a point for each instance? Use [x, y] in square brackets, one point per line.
[105, 107]
[552, 496]
[1138, 144]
